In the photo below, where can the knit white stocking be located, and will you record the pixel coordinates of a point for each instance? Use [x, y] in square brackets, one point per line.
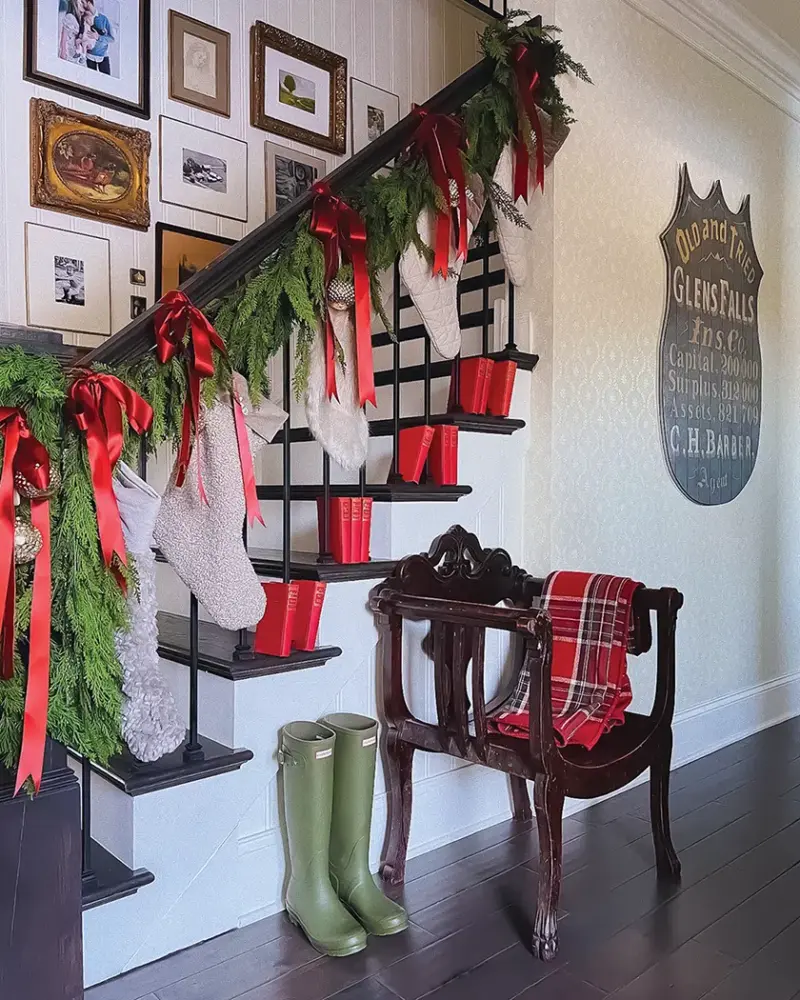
[341, 425]
[203, 541]
[435, 297]
[151, 726]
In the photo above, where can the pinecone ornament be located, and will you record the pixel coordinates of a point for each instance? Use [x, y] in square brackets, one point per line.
[27, 541]
[454, 193]
[30, 492]
[341, 293]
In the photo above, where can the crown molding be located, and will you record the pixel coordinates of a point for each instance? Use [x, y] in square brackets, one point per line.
[732, 38]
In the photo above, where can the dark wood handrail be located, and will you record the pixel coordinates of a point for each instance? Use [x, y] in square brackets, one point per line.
[245, 255]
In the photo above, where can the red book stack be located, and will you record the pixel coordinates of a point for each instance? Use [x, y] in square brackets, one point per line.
[310, 597]
[274, 631]
[474, 377]
[444, 456]
[501, 388]
[349, 526]
[413, 446]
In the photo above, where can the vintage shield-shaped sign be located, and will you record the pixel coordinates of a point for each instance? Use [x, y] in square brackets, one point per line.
[710, 361]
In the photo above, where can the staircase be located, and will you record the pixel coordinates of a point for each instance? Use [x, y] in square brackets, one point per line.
[186, 848]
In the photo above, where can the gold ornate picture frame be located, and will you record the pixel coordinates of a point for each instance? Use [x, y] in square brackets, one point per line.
[298, 90]
[83, 165]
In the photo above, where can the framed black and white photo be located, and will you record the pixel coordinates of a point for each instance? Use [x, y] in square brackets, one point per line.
[373, 112]
[203, 170]
[68, 280]
[290, 173]
[95, 49]
[199, 64]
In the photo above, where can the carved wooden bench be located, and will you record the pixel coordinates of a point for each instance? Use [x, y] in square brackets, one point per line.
[456, 587]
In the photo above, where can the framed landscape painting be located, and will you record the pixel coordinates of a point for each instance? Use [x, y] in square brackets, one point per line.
[199, 64]
[67, 280]
[180, 253]
[290, 173]
[203, 170]
[298, 89]
[95, 49]
[87, 166]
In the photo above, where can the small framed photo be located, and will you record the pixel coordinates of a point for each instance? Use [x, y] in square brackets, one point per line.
[180, 253]
[199, 64]
[373, 112]
[138, 305]
[98, 50]
[289, 174]
[138, 276]
[203, 170]
[298, 90]
[86, 166]
[67, 278]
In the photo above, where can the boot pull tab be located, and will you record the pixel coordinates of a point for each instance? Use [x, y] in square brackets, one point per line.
[286, 757]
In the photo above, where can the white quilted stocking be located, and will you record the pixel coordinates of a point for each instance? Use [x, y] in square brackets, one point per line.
[151, 726]
[203, 542]
[434, 296]
[514, 240]
[341, 425]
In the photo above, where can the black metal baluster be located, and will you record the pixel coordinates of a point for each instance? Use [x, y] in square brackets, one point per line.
[324, 513]
[194, 748]
[455, 378]
[287, 465]
[142, 458]
[485, 320]
[88, 876]
[243, 650]
[511, 319]
[394, 474]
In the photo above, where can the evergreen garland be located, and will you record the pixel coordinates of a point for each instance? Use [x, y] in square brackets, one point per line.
[285, 295]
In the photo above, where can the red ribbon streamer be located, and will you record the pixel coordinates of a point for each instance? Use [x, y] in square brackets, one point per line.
[441, 140]
[24, 454]
[96, 402]
[527, 76]
[175, 318]
[343, 235]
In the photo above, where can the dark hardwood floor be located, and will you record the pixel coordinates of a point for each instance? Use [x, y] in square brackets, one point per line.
[730, 931]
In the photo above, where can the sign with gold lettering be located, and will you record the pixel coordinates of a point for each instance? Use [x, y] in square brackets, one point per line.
[710, 361]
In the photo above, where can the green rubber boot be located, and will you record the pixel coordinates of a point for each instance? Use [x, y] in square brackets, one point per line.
[353, 789]
[306, 755]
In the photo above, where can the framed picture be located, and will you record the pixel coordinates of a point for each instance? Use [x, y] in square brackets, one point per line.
[67, 279]
[138, 305]
[199, 64]
[95, 49]
[86, 166]
[289, 174]
[180, 253]
[298, 90]
[138, 276]
[373, 112]
[203, 170]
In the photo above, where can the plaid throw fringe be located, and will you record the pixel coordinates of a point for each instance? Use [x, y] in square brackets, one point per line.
[592, 632]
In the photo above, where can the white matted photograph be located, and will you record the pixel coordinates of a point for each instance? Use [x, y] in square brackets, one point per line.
[290, 173]
[67, 278]
[373, 112]
[203, 170]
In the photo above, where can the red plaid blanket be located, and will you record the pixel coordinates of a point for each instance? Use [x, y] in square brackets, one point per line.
[592, 631]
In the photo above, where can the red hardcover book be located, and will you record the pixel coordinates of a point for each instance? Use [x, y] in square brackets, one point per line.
[310, 596]
[356, 527]
[339, 528]
[443, 463]
[413, 446]
[470, 385]
[274, 631]
[451, 457]
[366, 528]
[486, 379]
[501, 388]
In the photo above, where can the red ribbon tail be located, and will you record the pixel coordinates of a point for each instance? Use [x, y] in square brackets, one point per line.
[522, 169]
[34, 731]
[441, 261]
[331, 392]
[185, 449]
[7, 516]
[109, 525]
[246, 461]
[9, 631]
[366, 371]
[536, 125]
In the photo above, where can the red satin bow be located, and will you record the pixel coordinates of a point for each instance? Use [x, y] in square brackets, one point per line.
[527, 77]
[177, 317]
[24, 454]
[96, 402]
[441, 140]
[343, 235]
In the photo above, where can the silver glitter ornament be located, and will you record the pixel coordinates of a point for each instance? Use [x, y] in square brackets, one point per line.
[341, 294]
[27, 541]
[28, 490]
[454, 193]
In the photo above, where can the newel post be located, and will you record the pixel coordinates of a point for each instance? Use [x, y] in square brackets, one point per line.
[41, 946]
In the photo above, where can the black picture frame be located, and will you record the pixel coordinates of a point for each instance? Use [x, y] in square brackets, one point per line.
[163, 228]
[140, 108]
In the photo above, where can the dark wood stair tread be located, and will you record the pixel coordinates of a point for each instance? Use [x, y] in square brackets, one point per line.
[380, 493]
[112, 879]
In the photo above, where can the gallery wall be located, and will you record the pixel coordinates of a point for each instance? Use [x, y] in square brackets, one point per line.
[600, 495]
[411, 49]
